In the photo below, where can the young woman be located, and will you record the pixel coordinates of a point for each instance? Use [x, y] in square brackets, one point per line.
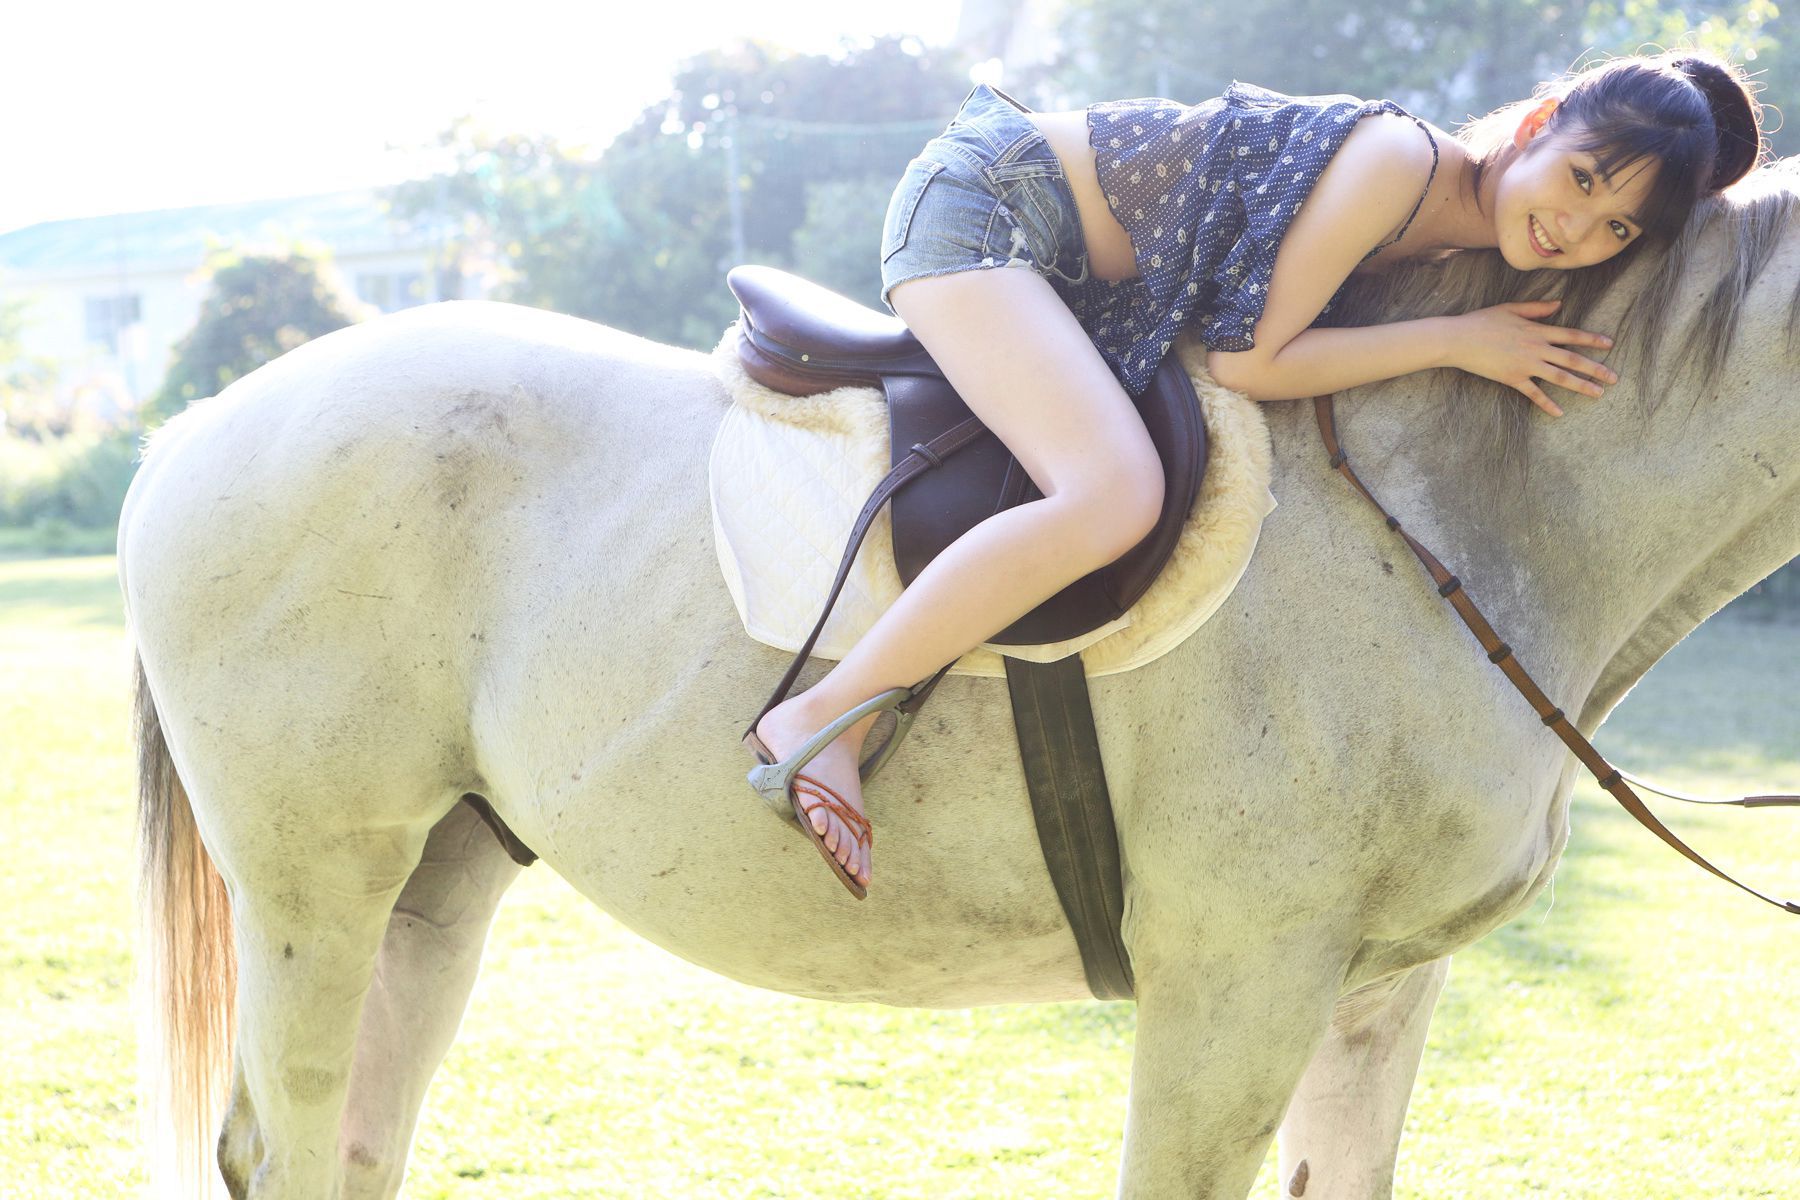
[1047, 260]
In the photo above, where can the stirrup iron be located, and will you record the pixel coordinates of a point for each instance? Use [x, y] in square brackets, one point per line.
[773, 780]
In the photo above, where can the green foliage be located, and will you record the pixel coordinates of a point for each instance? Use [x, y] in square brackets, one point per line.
[771, 101]
[1445, 58]
[640, 237]
[74, 481]
[838, 244]
[259, 308]
[28, 404]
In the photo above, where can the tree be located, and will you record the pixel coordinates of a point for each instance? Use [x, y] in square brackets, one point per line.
[835, 245]
[259, 307]
[28, 404]
[726, 168]
[1446, 59]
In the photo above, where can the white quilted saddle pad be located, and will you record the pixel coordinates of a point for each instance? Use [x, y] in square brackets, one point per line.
[788, 475]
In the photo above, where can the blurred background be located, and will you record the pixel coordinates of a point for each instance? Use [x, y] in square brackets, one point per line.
[197, 187]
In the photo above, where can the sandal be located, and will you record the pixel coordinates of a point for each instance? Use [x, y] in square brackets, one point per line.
[781, 785]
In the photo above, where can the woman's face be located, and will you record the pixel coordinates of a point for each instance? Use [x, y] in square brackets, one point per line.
[1554, 209]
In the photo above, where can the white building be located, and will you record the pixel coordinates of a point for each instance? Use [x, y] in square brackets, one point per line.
[109, 297]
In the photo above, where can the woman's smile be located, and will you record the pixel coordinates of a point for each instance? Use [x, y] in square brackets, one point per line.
[1540, 239]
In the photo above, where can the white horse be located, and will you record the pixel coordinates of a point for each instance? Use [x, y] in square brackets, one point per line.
[466, 549]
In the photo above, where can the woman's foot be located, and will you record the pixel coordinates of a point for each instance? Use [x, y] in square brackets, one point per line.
[784, 729]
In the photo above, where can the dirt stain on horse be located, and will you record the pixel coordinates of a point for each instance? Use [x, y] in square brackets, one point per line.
[310, 1085]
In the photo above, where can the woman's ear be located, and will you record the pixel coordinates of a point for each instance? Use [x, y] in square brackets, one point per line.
[1534, 121]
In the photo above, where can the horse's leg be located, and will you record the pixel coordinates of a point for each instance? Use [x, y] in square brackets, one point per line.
[1342, 1132]
[427, 967]
[1222, 1040]
[311, 901]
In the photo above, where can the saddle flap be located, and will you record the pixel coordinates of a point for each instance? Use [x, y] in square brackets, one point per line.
[984, 478]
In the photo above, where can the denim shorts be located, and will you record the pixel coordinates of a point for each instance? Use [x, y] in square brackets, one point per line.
[987, 192]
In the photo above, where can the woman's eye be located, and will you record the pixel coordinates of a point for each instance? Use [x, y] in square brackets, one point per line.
[1624, 231]
[1584, 180]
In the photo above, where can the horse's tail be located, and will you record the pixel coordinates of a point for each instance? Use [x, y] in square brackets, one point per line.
[187, 969]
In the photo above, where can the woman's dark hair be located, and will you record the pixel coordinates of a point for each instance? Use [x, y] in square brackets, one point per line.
[1687, 111]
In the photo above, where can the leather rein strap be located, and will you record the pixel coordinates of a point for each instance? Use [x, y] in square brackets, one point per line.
[1501, 655]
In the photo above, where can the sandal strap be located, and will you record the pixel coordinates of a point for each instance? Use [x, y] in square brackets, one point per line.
[825, 798]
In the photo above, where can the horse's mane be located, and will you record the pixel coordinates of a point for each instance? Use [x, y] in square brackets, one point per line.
[1755, 215]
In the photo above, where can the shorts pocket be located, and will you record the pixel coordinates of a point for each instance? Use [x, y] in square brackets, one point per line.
[919, 173]
[1030, 191]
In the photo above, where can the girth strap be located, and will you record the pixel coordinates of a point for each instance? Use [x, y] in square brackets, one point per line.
[1061, 753]
[1501, 655]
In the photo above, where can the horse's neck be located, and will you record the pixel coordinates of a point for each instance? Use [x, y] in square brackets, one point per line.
[1569, 561]
[1628, 529]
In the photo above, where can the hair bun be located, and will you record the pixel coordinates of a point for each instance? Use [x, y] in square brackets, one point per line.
[1736, 117]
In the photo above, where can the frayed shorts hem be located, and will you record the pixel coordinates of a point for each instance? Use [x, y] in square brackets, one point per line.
[960, 268]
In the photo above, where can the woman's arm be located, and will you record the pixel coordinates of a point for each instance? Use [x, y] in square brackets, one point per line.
[1364, 194]
[1317, 361]
[1507, 343]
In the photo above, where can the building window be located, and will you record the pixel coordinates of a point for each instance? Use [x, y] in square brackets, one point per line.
[391, 291]
[108, 316]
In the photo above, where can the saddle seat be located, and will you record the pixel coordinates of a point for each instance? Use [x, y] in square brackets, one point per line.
[950, 472]
[817, 339]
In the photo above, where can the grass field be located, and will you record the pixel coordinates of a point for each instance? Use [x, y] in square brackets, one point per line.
[1631, 1036]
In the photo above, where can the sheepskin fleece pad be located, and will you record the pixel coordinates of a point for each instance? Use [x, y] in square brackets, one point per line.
[788, 475]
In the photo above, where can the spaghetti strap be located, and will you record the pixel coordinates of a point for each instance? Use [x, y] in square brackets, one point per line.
[1423, 128]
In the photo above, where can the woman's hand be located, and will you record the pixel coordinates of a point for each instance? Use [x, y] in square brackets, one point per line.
[1511, 344]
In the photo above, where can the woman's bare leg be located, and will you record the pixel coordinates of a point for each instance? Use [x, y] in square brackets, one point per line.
[1024, 365]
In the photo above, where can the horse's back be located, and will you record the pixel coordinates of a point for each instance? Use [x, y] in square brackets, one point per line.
[419, 415]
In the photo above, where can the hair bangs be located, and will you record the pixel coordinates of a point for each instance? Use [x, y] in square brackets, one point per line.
[1680, 159]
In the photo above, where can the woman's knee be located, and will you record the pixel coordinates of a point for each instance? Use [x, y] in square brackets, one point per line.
[1118, 509]
[1140, 502]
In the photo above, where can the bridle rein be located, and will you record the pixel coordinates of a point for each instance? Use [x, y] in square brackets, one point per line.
[1501, 655]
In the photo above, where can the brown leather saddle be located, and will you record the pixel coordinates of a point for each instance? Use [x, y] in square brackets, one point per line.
[801, 338]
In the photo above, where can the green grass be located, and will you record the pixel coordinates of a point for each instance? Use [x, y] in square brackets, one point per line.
[54, 538]
[1631, 1036]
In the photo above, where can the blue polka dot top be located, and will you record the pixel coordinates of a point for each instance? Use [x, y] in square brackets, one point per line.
[1206, 192]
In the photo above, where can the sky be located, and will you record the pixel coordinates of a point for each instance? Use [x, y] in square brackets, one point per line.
[112, 107]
